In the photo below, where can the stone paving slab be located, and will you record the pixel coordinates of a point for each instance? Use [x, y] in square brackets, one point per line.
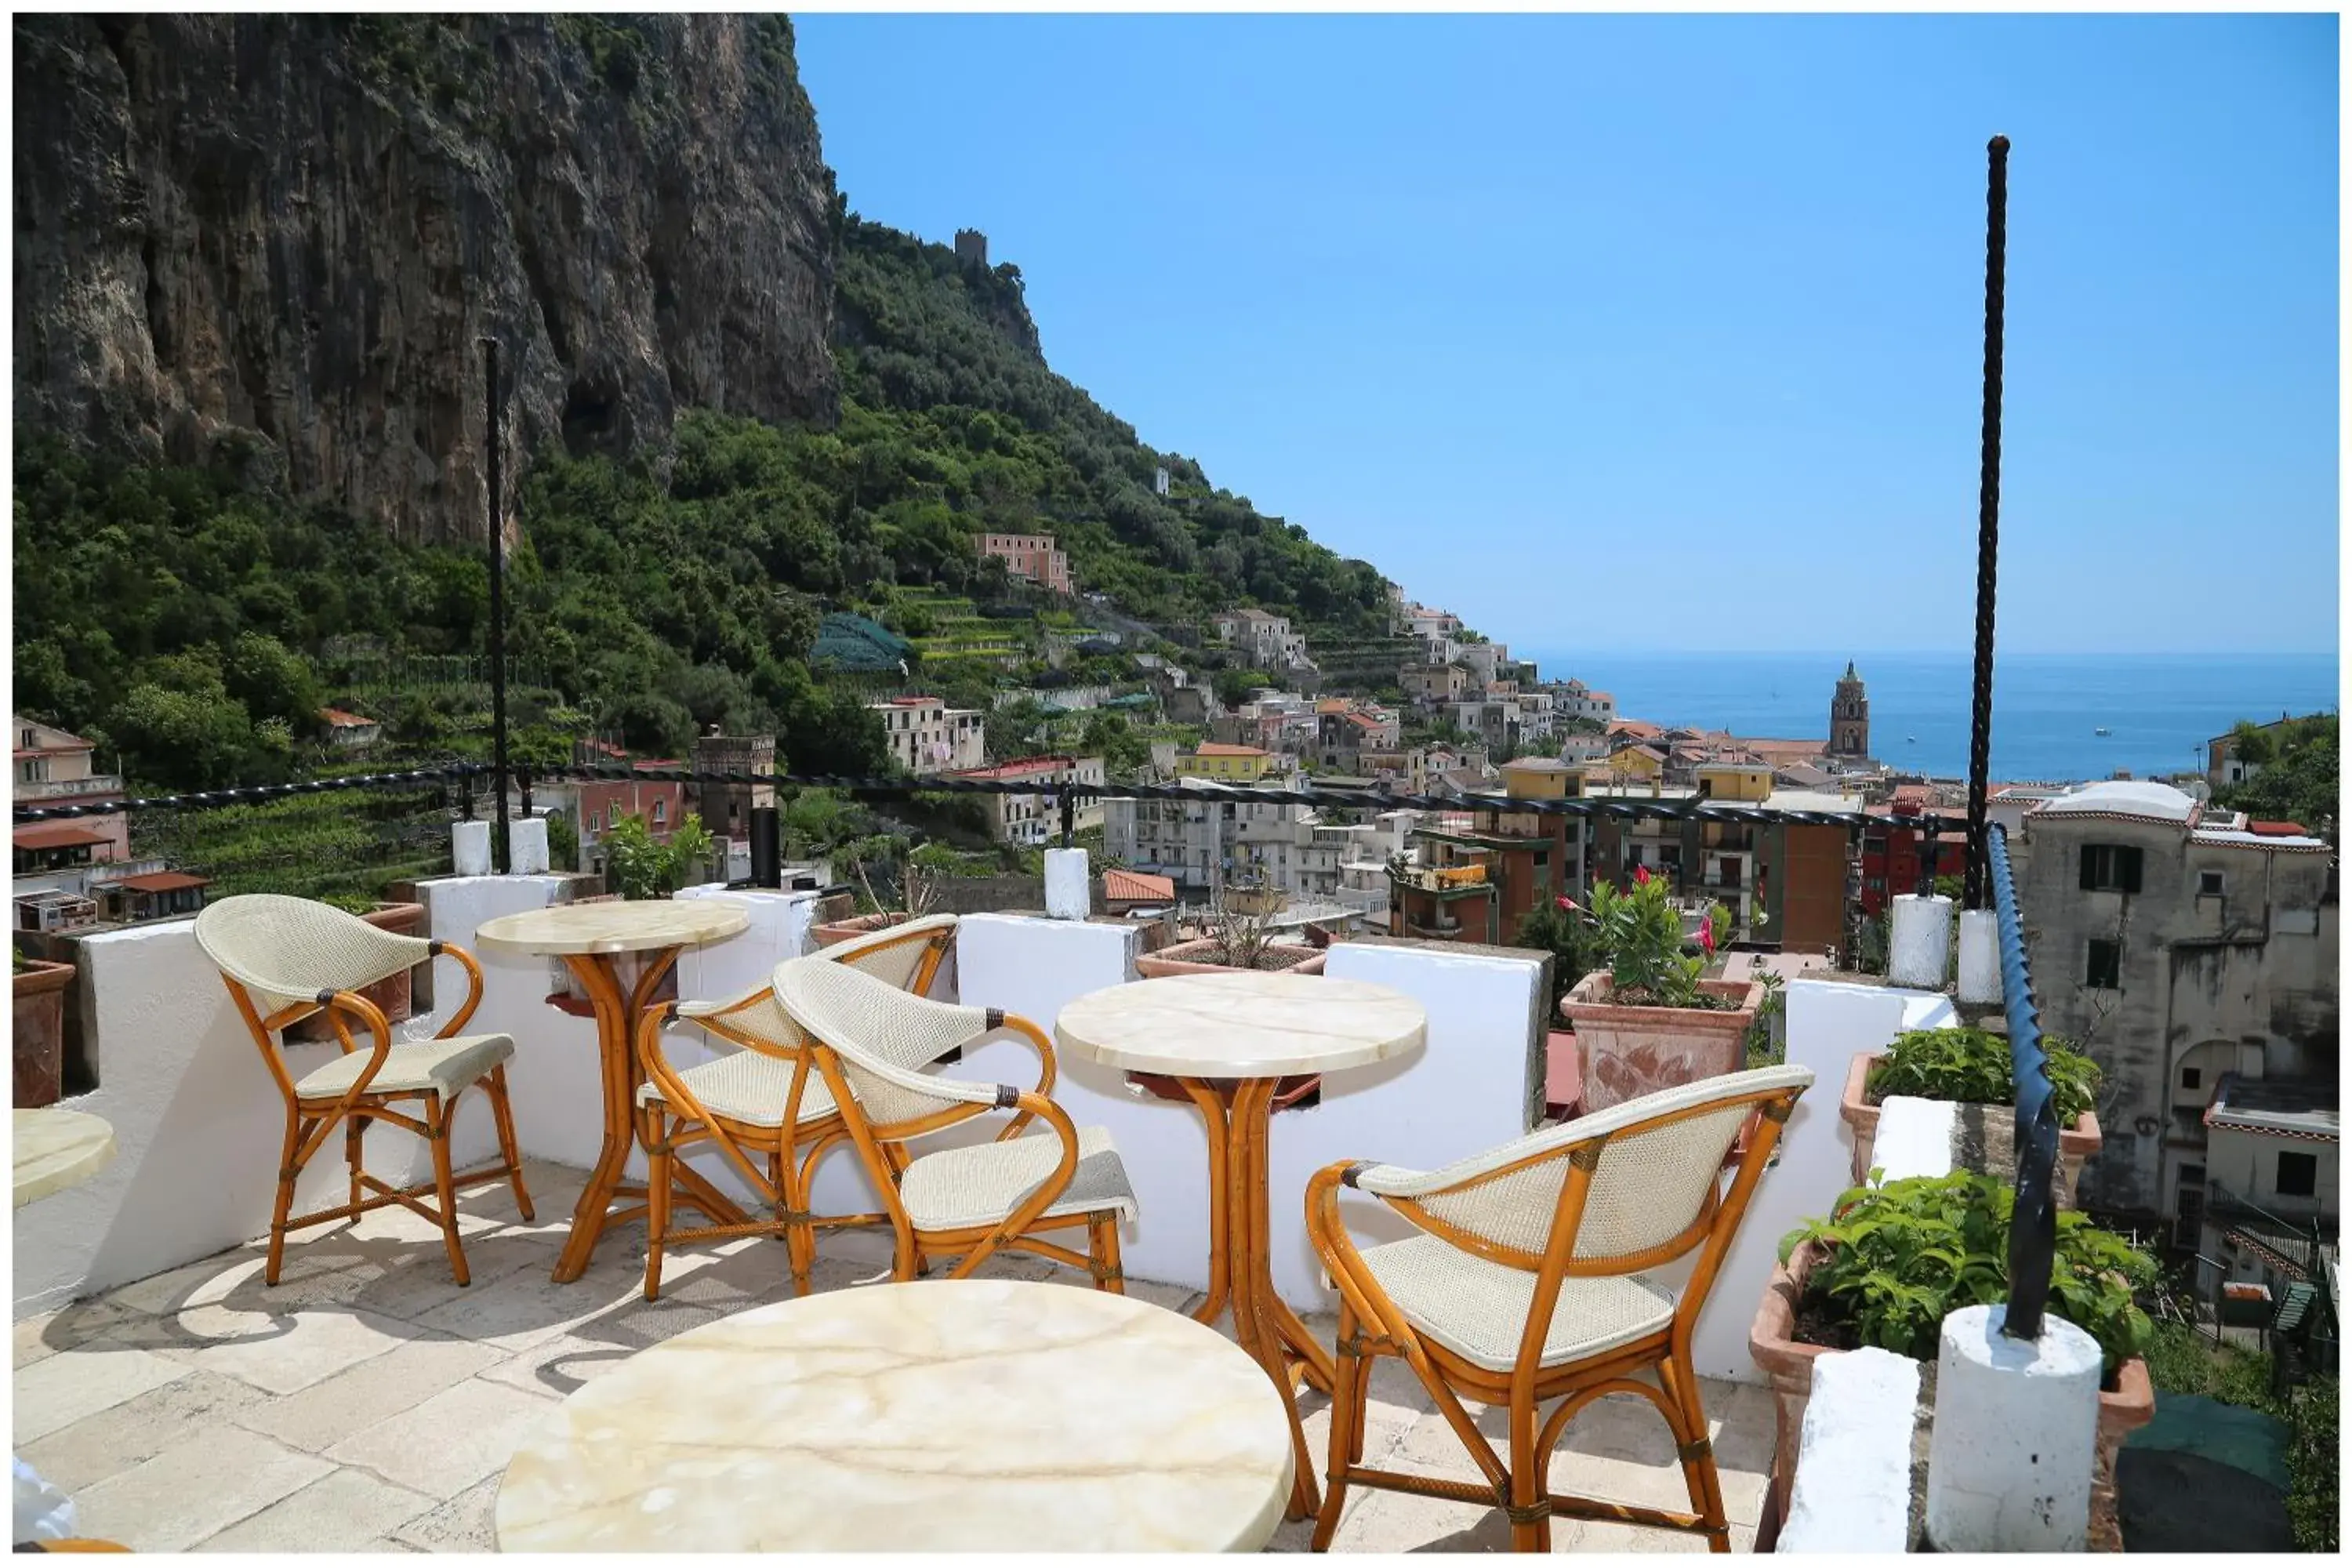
[369, 1403]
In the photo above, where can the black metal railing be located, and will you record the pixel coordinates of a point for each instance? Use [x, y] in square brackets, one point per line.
[2033, 1221]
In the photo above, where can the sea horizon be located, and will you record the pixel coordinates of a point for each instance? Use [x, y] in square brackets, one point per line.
[2160, 710]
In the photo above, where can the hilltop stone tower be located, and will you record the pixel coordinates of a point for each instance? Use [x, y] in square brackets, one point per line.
[1850, 717]
[971, 249]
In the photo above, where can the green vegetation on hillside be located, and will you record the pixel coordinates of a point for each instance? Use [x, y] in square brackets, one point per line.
[2298, 778]
[195, 620]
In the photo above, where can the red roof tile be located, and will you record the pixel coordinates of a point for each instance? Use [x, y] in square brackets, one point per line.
[1139, 886]
[59, 836]
[163, 882]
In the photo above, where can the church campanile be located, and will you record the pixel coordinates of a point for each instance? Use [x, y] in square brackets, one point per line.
[1850, 717]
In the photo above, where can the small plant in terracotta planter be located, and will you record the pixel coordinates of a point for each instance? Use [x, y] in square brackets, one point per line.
[1557, 930]
[38, 1025]
[1893, 1259]
[918, 890]
[1241, 937]
[1972, 1067]
[1644, 1020]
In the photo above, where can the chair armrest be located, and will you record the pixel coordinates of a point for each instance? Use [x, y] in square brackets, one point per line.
[334, 1005]
[1047, 1071]
[473, 981]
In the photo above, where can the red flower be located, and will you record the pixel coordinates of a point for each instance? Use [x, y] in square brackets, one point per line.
[1642, 874]
[1567, 903]
[1706, 933]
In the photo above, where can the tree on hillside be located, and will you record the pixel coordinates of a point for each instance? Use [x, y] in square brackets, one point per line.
[2298, 781]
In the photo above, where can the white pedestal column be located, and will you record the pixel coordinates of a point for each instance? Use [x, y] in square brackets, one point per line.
[1920, 941]
[2016, 1435]
[469, 844]
[1980, 956]
[1067, 896]
[526, 847]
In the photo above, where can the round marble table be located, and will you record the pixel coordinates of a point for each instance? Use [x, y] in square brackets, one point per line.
[1226, 1039]
[589, 937]
[940, 1415]
[55, 1149]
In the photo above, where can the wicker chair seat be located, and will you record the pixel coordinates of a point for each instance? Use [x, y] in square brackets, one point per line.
[748, 1087]
[441, 1066]
[958, 1188]
[1478, 1309]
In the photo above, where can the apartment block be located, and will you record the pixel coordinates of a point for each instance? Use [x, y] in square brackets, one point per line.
[1022, 817]
[1033, 557]
[928, 737]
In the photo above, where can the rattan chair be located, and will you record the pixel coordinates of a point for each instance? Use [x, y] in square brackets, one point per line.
[285, 959]
[1530, 1283]
[761, 1102]
[871, 1041]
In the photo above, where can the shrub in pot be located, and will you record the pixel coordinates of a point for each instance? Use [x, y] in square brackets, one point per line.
[1893, 1258]
[1644, 1020]
[1555, 929]
[1972, 1067]
[918, 888]
[37, 1029]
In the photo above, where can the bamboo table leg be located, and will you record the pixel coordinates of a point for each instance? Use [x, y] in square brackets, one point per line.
[617, 1013]
[1240, 1272]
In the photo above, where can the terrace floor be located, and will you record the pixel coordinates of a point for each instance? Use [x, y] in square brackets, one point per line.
[368, 1403]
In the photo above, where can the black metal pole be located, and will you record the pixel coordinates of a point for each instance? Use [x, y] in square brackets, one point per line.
[498, 608]
[1988, 512]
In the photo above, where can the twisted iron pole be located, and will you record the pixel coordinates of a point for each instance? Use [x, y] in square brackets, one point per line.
[498, 608]
[1988, 512]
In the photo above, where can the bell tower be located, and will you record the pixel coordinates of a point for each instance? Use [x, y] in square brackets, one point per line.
[1850, 717]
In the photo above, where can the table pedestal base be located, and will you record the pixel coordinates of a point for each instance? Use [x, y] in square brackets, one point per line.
[618, 1011]
[1240, 1277]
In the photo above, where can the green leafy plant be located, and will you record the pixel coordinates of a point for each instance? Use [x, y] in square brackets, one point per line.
[349, 904]
[1554, 929]
[1637, 936]
[635, 867]
[1971, 1067]
[1901, 1256]
[1764, 1048]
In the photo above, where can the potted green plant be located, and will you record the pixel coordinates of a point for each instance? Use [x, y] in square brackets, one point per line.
[39, 1025]
[1555, 929]
[1972, 1067]
[918, 888]
[394, 994]
[1645, 1019]
[1893, 1258]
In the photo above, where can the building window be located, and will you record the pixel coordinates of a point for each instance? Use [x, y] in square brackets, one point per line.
[2192, 1077]
[661, 812]
[2208, 884]
[2298, 1174]
[2110, 869]
[2105, 967]
[597, 822]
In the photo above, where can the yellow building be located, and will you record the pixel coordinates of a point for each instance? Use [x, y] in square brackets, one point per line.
[1542, 778]
[1646, 763]
[1735, 781]
[1230, 764]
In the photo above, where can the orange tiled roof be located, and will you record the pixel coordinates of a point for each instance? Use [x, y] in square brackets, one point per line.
[1139, 886]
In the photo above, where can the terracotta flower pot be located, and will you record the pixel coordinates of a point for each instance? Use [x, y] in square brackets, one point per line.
[1788, 1365]
[1628, 1052]
[1563, 1073]
[833, 932]
[38, 1022]
[393, 994]
[1198, 957]
[2075, 1144]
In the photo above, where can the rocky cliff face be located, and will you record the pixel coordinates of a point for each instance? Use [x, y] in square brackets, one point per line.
[287, 234]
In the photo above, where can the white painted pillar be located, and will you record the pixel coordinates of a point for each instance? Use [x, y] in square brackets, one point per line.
[470, 845]
[2016, 1435]
[1067, 896]
[1980, 956]
[1853, 1491]
[526, 847]
[1921, 940]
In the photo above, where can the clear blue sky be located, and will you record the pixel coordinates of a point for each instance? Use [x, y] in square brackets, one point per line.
[1667, 331]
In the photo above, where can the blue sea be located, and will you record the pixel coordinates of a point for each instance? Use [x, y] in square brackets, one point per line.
[2046, 708]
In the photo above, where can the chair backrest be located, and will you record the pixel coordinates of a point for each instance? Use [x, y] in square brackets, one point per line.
[284, 949]
[906, 956]
[1657, 1169]
[881, 1036]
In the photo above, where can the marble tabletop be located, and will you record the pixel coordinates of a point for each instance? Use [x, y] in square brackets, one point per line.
[940, 1415]
[1242, 1025]
[55, 1149]
[634, 925]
